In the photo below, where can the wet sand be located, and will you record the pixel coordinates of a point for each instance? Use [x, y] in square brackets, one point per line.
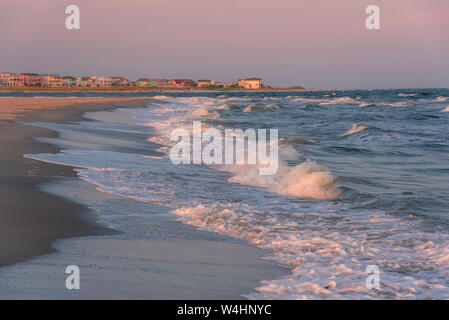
[30, 219]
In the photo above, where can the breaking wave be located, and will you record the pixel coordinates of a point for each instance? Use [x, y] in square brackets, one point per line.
[294, 140]
[252, 107]
[305, 180]
[340, 101]
[356, 128]
[407, 94]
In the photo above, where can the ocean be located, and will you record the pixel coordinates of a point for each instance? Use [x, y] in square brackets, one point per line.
[362, 180]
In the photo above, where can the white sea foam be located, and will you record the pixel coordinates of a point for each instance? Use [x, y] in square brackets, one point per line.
[445, 109]
[306, 180]
[294, 140]
[203, 112]
[328, 256]
[252, 107]
[340, 101]
[255, 107]
[356, 127]
[442, 99]
[393, 104]
[307, 100]
[386, 104]
[407, 94]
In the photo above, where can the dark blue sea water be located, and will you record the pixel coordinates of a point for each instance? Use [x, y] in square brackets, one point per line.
[363, 180]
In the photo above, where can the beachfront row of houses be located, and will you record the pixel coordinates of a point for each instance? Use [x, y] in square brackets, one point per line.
[54, 80]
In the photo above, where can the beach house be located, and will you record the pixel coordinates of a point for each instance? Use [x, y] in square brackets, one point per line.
[209, 83]
[158, 82]
[233, 84]
[119, 81]
[102, 82]
[12, 79]
[52, 80]
[69, 81]
[204, 83]
[84, 82]
[180, 83]
[142, 82]
[250, 83]
[32, 79]
[5, 78]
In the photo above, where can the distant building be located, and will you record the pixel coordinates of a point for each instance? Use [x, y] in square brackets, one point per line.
[209, 83]
[5, 79]
[158, 82]
[84, 82]
[234, 84]
[119, 81]
[145, 82]
[250, 83]
[69, 81]
[18, 80]
[180, 83]
[102, 82]
[204, 83]
[142, 82]
[52, 80]
[12, 80]
[32, 79]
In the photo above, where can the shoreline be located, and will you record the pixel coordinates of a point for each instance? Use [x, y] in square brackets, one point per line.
[31, 219]
[28, 109]
[59, 225]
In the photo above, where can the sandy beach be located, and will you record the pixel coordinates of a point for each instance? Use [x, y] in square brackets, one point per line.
[20, 108]
[43, 204]
[31, 219]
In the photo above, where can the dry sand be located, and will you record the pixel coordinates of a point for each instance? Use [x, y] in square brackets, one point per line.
[16, 108]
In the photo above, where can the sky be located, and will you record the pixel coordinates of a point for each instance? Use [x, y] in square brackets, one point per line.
[314, 43]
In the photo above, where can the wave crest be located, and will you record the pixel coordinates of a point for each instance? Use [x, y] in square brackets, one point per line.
[305, 180]
[252, 108]
[356, 127]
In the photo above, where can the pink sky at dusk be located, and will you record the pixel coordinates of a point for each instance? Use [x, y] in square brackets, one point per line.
[314, 43]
